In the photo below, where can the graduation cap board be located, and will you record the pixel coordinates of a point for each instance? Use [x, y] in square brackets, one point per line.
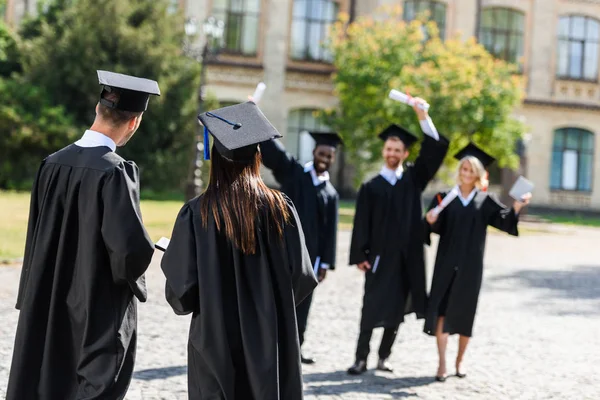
[237, 131]
[134, 93]
[397, 131]
[472, 150]
[326, 138]
[162, 244]
[521, 187]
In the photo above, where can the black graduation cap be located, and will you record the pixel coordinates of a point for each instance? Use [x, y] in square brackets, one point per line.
[237, 130]
[326, 138]
[472, 150]
[134, 92]
[394, 130]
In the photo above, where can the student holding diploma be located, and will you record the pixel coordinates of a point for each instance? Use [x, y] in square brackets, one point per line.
[237, 261]
[387, 238]
[462, 226]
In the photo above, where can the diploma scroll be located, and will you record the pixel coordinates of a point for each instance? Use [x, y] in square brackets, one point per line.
[406, 99]
[258, 92]
[449, 197]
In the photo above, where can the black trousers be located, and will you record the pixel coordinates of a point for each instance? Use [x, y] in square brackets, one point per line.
[302, 316]
[385, 348]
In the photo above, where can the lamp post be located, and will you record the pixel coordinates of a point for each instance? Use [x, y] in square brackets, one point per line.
[213, 30]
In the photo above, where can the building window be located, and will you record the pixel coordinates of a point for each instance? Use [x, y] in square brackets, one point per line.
[241, 19]
[578, 40]
[299, 143]
[312, 20]
[437, 12]
[572, 160]
[501, 33]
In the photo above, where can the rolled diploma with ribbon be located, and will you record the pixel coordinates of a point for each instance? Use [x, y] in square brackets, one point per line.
[260, 90]
[404, 98]
[449, 197]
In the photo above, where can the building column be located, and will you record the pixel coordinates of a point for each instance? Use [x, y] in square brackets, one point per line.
[275, 54]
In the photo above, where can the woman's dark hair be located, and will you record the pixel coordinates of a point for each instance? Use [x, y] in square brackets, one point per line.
[235, 196]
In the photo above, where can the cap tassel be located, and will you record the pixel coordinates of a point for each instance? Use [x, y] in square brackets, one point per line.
[206, 144]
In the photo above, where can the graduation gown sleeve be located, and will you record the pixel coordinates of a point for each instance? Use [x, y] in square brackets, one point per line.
[502, 217]
[179, 264]
[278, 160]
[303, 276]
[29, 243]
[329, 242]
[359, 244]
[129, 247]
[429, 160]
[436, 227]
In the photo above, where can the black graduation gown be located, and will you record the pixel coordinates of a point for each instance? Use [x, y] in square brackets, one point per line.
[243, 340]
[85, 256]
[458, 269]
[388, 233]
[317, 205]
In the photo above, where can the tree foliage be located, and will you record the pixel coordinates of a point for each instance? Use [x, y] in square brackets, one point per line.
[472, 95]
[69, 40]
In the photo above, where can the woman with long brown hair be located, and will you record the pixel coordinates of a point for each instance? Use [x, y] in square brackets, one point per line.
[238, 263]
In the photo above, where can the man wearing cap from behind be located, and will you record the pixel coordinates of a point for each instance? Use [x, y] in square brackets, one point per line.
[316, 200]
[85, 256]
[387, 239]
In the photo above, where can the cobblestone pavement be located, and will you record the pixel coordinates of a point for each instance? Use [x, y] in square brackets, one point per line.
[536, 332]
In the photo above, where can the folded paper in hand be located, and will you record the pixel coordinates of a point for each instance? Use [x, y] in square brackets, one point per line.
[162, 244]
[521, 187]
[258, 93]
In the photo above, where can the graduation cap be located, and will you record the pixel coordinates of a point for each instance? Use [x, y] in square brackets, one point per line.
[397, 131]
[134, 93]
[237, 130]
[326, 138]
[472, 150]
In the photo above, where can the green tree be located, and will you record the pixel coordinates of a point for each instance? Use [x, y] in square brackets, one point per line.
[67, 43]
[472, 95]
[10, 59]
[30, 129]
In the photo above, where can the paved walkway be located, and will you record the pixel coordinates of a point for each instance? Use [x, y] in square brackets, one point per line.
[536, 332]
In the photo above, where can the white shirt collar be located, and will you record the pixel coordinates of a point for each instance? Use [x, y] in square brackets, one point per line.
[96, 139]
[467, 200]
[317, 179]
[390, 175]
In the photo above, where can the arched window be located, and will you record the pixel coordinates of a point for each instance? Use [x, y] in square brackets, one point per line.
[437, 12]
[572, 160]
[501, 33]
[578, 41]
[241, 19]
[311, 22]
[300, 144]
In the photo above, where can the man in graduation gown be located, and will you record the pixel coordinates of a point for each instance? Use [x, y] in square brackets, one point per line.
[316, 200]
[85, 256]
[387, 238]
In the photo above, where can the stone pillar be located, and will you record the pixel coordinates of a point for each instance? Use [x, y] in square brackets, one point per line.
[543, 43]
[276, 23]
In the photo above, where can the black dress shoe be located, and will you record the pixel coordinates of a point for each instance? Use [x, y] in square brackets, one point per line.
[307, 360]
[359, 367]
[384, 366]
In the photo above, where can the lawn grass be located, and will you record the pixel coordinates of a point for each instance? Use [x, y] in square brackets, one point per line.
[573, 220]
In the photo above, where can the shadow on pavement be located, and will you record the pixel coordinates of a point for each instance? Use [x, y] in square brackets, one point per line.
[583, 282]
[339, 382]
[159, 373]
